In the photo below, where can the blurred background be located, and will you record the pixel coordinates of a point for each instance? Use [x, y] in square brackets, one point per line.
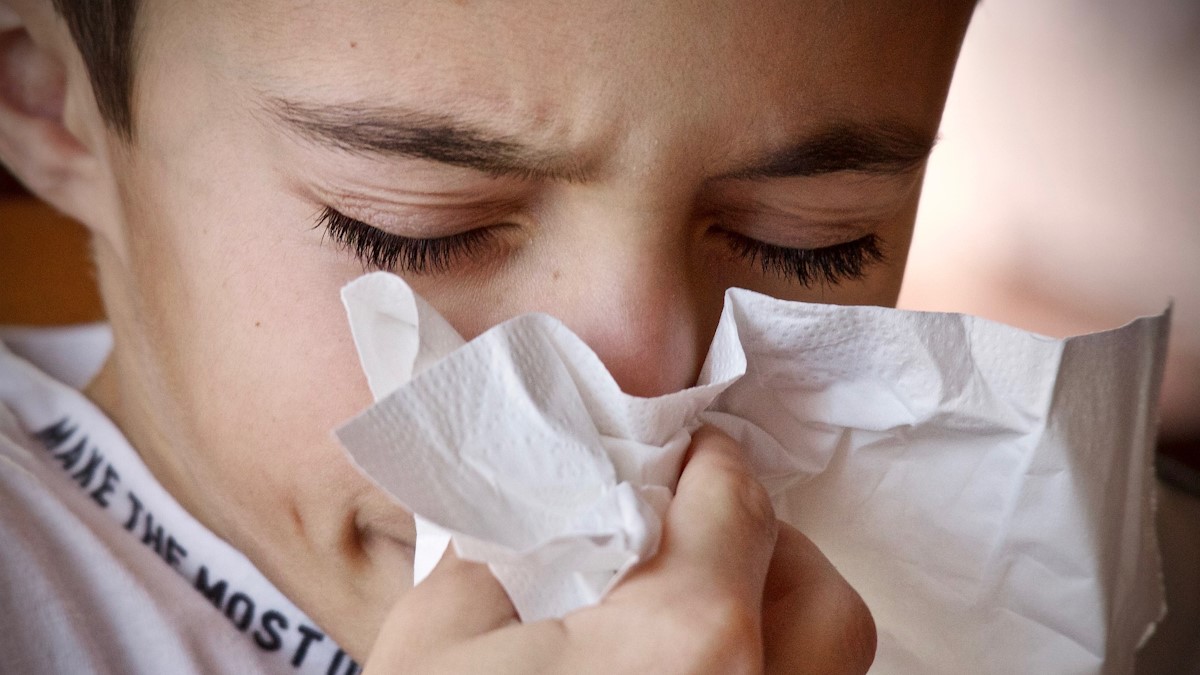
[45, 272]
[1064, 194]
[1063, 198]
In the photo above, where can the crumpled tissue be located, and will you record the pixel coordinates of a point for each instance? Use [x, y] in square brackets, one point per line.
[986, 490]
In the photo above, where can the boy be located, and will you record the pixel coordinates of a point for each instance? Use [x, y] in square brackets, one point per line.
[615, 164]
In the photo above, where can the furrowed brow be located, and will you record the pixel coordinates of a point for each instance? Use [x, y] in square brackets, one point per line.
[400, 133]
[882, 149]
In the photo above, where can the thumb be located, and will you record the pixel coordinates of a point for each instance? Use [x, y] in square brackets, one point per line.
[458, 601]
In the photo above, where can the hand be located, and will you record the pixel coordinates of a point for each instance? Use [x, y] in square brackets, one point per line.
[730, 591]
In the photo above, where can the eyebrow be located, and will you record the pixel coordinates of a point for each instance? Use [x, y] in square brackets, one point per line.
[396, 132]
[881, 148]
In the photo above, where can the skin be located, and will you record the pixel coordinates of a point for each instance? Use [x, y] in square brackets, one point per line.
[232, 358]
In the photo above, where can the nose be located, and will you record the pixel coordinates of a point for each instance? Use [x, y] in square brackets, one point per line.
[643, 326]
[632, 295]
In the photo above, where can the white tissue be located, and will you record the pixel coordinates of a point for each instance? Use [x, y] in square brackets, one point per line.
[985, 489]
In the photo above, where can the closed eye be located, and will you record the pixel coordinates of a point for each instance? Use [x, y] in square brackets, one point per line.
[377, 249]
[829, 265]
[386, 251]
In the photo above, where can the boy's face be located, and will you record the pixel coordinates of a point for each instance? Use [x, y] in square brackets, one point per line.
[615, 164]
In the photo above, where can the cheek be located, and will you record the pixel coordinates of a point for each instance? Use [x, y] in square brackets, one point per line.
[245, 321]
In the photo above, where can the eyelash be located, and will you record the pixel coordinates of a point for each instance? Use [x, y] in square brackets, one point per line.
[829, 265]
[386, 251]
[382, 250]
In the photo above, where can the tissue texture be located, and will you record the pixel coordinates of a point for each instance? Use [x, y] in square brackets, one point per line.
[985, 489]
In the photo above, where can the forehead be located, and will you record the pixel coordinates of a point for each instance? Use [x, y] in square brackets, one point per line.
[567, 72]
[815, 48]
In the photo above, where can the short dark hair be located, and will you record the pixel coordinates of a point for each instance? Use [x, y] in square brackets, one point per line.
[103, 31]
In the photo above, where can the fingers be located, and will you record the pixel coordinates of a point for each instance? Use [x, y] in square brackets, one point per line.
[702, 594]
[721, 530]
[730, 591]
[458, 601]
[814, 621]
[721, 524]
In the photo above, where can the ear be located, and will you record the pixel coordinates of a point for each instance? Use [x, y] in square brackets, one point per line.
[52, 137]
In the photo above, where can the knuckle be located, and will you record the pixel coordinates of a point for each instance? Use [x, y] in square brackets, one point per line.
[728, 482]
[751, 501]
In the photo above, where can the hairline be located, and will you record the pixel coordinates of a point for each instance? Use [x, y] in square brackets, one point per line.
[104, 32]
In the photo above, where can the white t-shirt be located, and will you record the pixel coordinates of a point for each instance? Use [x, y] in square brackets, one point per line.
[101, 570]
